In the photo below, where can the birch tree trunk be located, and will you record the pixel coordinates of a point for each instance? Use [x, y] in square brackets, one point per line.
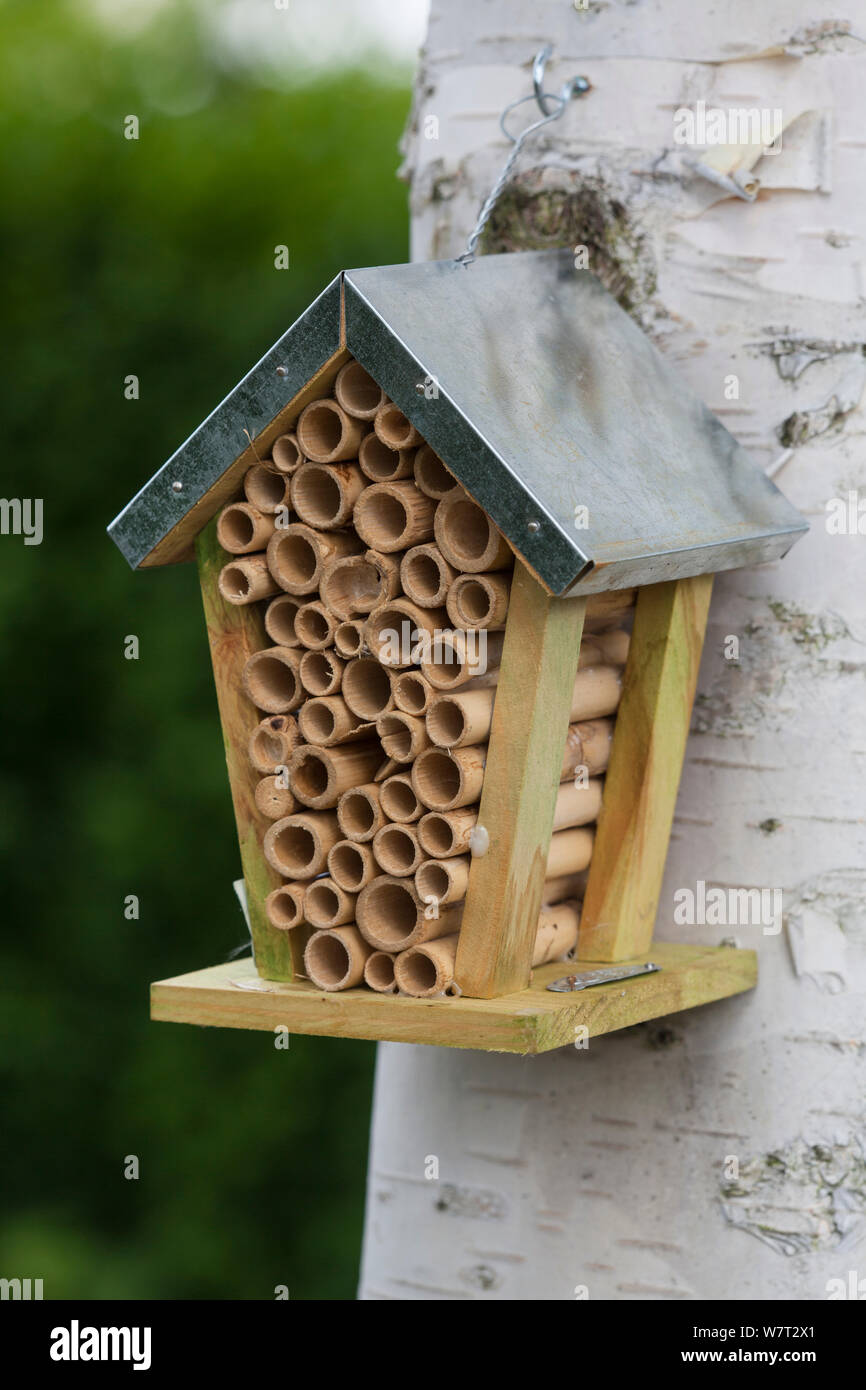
[719, 1153]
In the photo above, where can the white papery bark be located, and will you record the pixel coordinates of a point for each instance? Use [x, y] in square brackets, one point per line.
[605, 1168]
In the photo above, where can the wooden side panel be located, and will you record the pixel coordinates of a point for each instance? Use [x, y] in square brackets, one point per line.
[640, 792]
[524, 760]
[234, 634]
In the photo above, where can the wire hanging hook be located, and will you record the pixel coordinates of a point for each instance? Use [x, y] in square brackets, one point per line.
[574, 87]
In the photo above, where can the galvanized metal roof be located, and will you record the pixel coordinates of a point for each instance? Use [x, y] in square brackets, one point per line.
[601, 467]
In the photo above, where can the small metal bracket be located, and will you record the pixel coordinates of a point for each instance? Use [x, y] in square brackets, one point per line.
[606, 975]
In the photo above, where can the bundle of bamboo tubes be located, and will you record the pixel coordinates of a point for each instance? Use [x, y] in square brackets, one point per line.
[385, 592]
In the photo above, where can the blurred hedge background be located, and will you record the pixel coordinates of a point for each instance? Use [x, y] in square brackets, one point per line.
[153, 257]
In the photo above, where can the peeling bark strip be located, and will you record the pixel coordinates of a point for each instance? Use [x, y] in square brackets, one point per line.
[760, 306]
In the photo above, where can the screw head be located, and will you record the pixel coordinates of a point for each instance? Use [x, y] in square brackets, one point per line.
[534, 527]
[177, 486]
[282, 371]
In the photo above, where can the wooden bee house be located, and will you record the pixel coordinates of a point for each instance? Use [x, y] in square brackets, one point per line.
[456, 534]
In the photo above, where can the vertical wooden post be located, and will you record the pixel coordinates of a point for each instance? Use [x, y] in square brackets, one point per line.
[524, 760]
[234, 633]
[640, 789]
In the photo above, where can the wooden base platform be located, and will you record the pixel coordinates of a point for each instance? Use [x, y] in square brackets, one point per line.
[531, 1020]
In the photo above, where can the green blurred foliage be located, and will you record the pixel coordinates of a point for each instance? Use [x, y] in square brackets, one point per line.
[153, 257]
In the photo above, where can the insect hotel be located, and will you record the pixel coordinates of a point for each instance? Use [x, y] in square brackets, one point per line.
[456, 533]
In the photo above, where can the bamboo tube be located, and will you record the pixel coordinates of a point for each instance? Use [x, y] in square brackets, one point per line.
[597, 691]
[587, 745]
[446, 781]
[443, 880]
[614, 646]
[454, 658]
[315, 626]
[327, 434]
[349, 639]
[379, 972]
[319, 776]
[297, 555]
[607, 609]
[246, 580]
[478, 600]
[397, 851]
[398, 799]
[387, 769]
[431, 475]
[321, 672]
[391, 916]
[352, 866]
[446, 833]
[270, 679]
[575, 805]
[280, 620]
[570, 852]
[412, 692]
[326, 721]
[590, 654]
[324, 495]
[297, 846]
[359, 583]
[284, 906]
[326, 904]
[557, 932]
[399, 631]
[241, 529]
[287, 454]
[426, 575]
[556, 890]
[425, 970]
[467, 537]
[272, 743]
[357, 392]
[359, 812]
[462, 718]
[273, 799]
[335, 958]
[402, 736]
[394, 429]
[381, 463]
[265, 489]
[367, 688]
[393, 516]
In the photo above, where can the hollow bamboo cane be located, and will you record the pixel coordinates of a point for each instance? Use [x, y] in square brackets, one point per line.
[352, 866]
[297, 846]
[359, 583]
[328, 434]
[349, 639]
[397, 851]
[468, 538]
[326, 904]
[324, 494]
[556, 890]
[453, 721]
[242, 528]
[284, 906]
[381, 463]
[297, 555]
[379, 972]
[454, 657]
[394, 429]
[614, 646]
[367, 688]
[575, 805]
[446, 781]
[399, 632]
[426, 576]
[392, 917]
[319, 776]
[321, 672]
[326, 721]
[399, 802]
[447, 833]
[335, 958]
[443, 880]
[608, 609]
[280, 617]
[590, 654]
[287, 454]
[597, 692]
[393, 516]
[273, 799]
[588, 746]
[357, 392]
[412, 692]
[270, 679]
[272, 743]
[557, 932]
[570, 852]
[428, 969]
[402, 736]
[265, 489]
[246, 579]
[478, 600]
[359, 812]
[315, 626]
[387, 769]
[431, 475]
